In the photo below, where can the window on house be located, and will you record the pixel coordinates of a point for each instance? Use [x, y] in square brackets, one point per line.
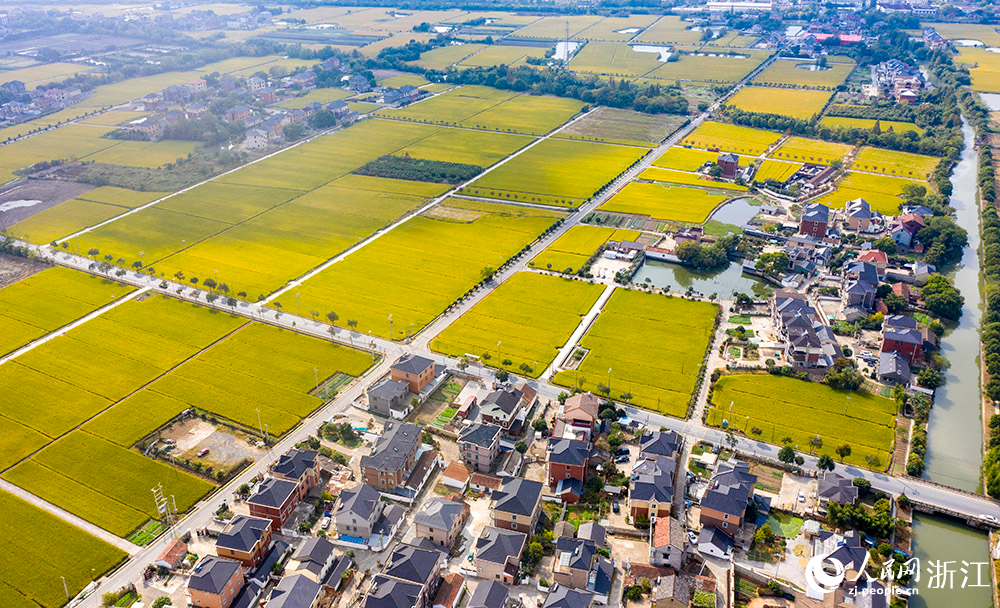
[725, 524]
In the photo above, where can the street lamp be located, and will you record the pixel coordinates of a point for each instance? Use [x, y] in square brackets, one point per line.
[65, 588]
[609, 381]
[391, 336]
[316, 374]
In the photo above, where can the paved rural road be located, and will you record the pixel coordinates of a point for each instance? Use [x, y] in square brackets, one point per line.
[201, 514]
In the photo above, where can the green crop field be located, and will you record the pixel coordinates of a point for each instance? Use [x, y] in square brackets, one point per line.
[710, 67]
[64, 219]
[46, 301]
[637, 336]
[785, 407]
[451, 107]
[531, 316]
[144, 153]
[43, 550]
[556, 172]
[613, 59]
[530, 114]
[572, 250]
[796, 103]
[466, 146]
[497, 54]
[775, 169]
[788, 73]
[655, 174]
[672, 203]
[804, 150]
[868, 123]
[616, 29]
[669, 30]
[418, 269]
[881, 191]
[891, 162]
[444, 56]
[69, 142]
[618, 126]
[731, 138]
[555, 27]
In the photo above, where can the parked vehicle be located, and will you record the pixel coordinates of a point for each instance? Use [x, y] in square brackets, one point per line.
[623, 458]
[621, 451]
[615, 507]
[325, 524]
[202, 452]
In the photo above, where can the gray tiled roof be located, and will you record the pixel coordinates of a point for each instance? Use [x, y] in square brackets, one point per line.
[314, 553]
[397, 443]
[439, 514]
[480, 434]
[496, 545]
[273, 492]
[489, 594]
[360, 500]
[412, 564]
[389, 389]
[563, 597]
[910, 336]
[295, 591]
[593, 531]
[901, 322]
[505, 401]
[892, 364]
[243, 532]
[653, 479]
[412, 364]
[569, 452]
[664, 443]
[816, 212]
[295, 462]
[600, 577]
[388, 592]
[212, 574]
[730, 488]
[575, 553]
[517, 496]
[837, 488]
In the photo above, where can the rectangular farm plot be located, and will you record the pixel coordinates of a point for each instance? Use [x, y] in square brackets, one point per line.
[122, 197]
[43, 549]
[451, 107]
[669, 176]
[613, 59]
[555, 27]
[120, 476]
[530, 114]
[685, 159]
[144, 154]
[531, 315]
[556, 172]
[678, 204]
[133, 418]
[713, 67]
[69, 217]
[776, 170]
[46, 301]
[984, 68]
[496, 54]
[616, 29]
[800, 73]
[891, 162]
[795, 103]
[444, 56]
[653, 345]
[844, 122]
[731, 138]
[881, 191]
[69, 142]
[804, 150]
[418, 269]
[572, 250]
[785, 407]
[466, 146]
[229, 203]
[669, 30]
[618, 126]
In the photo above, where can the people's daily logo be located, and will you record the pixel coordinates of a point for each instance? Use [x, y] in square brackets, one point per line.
[818, 577]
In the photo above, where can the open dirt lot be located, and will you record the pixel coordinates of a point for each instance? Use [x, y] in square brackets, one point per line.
[28, 198]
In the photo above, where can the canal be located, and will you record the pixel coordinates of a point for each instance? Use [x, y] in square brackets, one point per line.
[954, 435]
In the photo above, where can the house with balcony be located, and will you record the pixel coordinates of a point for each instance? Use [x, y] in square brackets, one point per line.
[363, 518]
[725, 501]
[393, 457]
[246, 539]
[299, 466]
[215, 582]
[274, 499]
[517, 504]
[498, 554]
[651, 487]
[567, 467]
[577, 417]
[314, 559]
[415, 370]
[441, 521]
[479, 446]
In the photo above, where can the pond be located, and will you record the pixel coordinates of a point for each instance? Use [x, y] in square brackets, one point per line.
[663, 51]
[565, 49]
[629, 30]
[736, 212]
[724, 282]
[939, 539]
[812, 67]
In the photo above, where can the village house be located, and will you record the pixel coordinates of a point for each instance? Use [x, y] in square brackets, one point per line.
[815, 220]
[859, 215]
[729, 492]
[651, 487]
[246, 539]
[238, 113]
[390, 398]
[363, 518]
[666, 543]
[490, 594]
[441, 521]
[314, 558]
[479, 446]
[299, 466]
[517, 504]
[577, 416]
[215, 583]
[295, 591]
[415, 370]
[392, 458]
[274, 499]
[501, 407]
[498, 553]
[567, 467]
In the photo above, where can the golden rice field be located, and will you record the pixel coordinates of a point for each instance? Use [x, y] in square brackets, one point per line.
[672, 203]
[731, 138]
[144, 153]
[555, 27]
[984, 33]
[45, 73]
[498, 54]
[800, 149]
[615, 29]
[656, 174]
[891, 162]
[984, 68]
[786, 72]
[775, 169]
[444, 56]
[869, 123]
[572, 250]
[669, 29]
[710, 67]
[795, 103]
[613, 59]
[881, 191]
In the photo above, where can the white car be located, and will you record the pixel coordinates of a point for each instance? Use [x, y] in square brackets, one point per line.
[802, 496]
[990, 518]
[325, 523]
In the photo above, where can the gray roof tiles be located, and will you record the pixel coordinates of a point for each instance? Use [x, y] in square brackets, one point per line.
[496, 545]
[243, 532]
[517, 496]
[412, 364]
[360, 500]
[294, 591]
[489, 594]
[396, 445]
[568, 452]
[439, 514]
[730, 488]
[480, 434]
[273, 492]
[412, 564]
[295, 462]
[212, 574]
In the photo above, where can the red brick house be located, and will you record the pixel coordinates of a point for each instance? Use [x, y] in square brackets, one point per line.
[815, 220]
[567, 467]
[414, 370]
[275, 499]
[906, 342]
[298, 466]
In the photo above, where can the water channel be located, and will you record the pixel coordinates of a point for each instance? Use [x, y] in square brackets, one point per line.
[954, 433]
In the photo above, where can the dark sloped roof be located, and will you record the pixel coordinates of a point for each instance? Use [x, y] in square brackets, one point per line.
[480, 434]
[837, 488]
[360, 500]
[592, 531]
[295, 462]
[568, 451]
[314, 553]
[294, 591]
[664, 443]
[730, 488]
[910, 336]
[389, 389]
[504, 400]
[273, 492]
[412, 564]
[340, 566]
[489, 594]
[388, 592]
[243, 532]
[517, 496]
[901, 322]
[816, 212]
[653, 479]
[212, 574]
[412, 364]
[563, 597]
[575, 553]
[439, 514]
[397, 443]
[496, 545]
[600, 577]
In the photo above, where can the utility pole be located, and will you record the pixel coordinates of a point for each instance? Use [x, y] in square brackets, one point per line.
[391, 336]
[259, 422]
[65, 588]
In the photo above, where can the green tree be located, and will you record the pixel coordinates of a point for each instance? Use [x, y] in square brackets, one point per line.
[886, 244]
[786, 454]
[333, 317]
[843, 451]
[895, 303]
[930, 378]
[502, 375]
[539, 424]
[764, 535]
[521, 446]
[773, 264]
[826, 463]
